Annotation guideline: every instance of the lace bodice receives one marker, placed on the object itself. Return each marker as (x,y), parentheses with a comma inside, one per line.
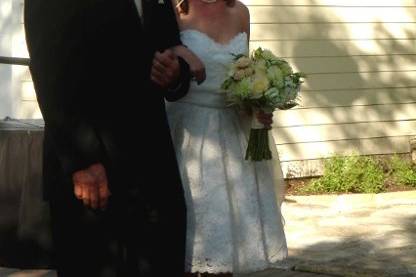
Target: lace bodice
(214,55)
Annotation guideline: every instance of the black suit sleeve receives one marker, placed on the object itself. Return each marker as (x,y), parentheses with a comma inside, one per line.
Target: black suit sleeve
(167,35)
(180,89)
(164,22)
(58,68)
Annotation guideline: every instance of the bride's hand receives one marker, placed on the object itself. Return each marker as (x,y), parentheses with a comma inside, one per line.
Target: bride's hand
(197,70)
(196,66)
(265,118)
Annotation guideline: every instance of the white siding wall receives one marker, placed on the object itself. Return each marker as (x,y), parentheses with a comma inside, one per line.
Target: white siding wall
(6,23)
(17,97)
(360,94)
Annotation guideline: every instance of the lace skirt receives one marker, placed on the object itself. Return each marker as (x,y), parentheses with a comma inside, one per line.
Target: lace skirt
(234,222)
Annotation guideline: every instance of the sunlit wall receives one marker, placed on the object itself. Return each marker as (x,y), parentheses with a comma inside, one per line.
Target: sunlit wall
(360,57)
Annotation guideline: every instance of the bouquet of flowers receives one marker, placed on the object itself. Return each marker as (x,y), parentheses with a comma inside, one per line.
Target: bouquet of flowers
(261,82)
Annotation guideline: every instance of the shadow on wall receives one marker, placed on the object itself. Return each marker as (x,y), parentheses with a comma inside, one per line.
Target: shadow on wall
(360,86)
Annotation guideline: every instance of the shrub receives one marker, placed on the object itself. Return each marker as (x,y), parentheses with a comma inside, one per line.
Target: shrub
(343,174)
(402,171)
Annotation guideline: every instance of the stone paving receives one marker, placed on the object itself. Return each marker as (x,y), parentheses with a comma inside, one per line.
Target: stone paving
(363,235)
(353,235)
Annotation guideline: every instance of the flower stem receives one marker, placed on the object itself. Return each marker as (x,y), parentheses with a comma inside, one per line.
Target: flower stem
(258,147)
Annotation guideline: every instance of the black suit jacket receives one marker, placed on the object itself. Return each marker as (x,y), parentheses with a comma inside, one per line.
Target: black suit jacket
(90,64)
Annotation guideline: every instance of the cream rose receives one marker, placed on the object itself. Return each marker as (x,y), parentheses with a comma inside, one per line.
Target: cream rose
(260,83)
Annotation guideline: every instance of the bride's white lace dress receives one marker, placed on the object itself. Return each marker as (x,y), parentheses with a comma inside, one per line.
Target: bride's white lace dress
(234,219)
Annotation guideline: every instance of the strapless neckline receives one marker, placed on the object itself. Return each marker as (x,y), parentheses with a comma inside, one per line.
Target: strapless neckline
(216,57)
(239,34)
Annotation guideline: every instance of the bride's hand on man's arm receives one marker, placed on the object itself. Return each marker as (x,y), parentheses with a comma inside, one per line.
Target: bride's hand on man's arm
(196,66)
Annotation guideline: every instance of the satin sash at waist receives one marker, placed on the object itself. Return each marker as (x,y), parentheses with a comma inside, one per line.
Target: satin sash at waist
(206,99)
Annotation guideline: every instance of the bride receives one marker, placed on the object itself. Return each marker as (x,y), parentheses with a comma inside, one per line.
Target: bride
(234,223)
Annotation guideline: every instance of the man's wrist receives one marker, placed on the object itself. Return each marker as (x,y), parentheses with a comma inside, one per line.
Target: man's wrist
(176,86)
(181,86)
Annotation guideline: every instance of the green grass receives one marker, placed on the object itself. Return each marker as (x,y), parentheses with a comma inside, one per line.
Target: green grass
(361,174)
(403,172)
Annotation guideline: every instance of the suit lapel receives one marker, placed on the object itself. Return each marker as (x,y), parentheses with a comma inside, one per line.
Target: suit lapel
(147,13)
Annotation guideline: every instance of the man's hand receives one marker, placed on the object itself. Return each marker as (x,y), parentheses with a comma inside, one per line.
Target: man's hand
(91,186)
(265,118)
(165,69)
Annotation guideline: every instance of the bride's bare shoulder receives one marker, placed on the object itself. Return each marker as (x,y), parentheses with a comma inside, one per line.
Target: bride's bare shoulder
(241,9)
(243,14)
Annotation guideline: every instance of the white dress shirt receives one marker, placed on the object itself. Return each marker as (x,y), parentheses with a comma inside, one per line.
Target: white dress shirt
(139,8)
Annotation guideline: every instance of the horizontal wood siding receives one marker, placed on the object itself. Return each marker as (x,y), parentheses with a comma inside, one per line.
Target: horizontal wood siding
(360,58)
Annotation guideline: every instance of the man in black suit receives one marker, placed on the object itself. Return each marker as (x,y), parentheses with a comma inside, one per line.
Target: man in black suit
(101,72)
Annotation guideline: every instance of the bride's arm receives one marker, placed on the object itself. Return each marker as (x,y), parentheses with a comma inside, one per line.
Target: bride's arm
(197,67)
(265,118)
(244,15)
